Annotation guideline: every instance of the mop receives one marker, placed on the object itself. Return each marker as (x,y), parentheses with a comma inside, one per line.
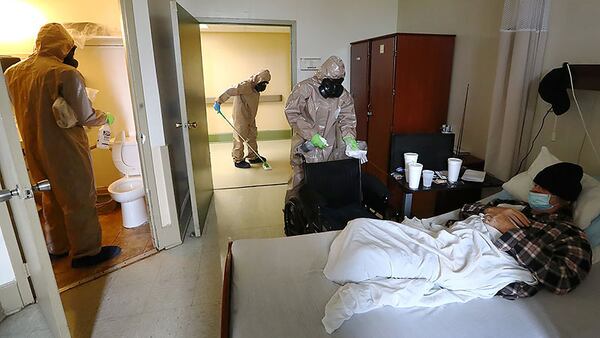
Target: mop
(265,164)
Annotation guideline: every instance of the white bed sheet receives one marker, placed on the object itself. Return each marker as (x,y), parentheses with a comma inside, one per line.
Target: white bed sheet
(279,290)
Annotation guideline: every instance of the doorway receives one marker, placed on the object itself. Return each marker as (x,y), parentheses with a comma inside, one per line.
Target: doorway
(232,53)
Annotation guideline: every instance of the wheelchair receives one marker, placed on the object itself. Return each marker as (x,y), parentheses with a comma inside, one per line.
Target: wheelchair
(332,194)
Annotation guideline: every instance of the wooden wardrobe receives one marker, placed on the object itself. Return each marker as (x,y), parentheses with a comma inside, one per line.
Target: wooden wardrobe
(400,84)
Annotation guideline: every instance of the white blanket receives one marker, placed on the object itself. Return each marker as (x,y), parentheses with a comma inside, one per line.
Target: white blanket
(412,264)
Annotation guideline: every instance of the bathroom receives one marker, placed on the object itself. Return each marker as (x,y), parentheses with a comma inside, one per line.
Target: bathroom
(121,205)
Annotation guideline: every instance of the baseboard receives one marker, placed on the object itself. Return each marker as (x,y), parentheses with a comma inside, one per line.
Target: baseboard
(10,298)
(263,135)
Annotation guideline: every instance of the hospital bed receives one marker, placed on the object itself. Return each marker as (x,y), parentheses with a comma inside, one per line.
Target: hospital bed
(276,288)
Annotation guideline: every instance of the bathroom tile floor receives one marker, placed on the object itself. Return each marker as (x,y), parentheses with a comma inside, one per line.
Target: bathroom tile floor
(135,243)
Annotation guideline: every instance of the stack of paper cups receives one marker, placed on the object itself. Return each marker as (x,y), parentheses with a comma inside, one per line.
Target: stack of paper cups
(414,175)
(408,159)
(454,165)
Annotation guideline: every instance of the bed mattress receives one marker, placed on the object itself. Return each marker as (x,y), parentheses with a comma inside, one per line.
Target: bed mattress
(278,290)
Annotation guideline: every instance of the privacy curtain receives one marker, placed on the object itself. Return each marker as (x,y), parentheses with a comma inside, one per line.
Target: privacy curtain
(523,37)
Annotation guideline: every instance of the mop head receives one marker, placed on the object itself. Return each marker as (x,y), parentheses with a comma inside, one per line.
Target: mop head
(266,166)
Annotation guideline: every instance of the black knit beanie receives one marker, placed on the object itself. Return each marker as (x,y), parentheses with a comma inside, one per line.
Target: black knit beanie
(561,179)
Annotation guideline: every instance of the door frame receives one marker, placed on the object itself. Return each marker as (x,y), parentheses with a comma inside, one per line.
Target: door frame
(155,163)
(264,22)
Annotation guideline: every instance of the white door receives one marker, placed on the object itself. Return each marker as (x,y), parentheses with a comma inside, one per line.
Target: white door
(27,225)
(190,78)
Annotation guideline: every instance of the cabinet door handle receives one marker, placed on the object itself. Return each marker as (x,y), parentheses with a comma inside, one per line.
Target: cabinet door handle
(369,113)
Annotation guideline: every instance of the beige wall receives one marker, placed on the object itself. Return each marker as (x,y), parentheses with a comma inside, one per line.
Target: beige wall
(104,68)
(476,24)
(229,58)
(28,15)
(573,37)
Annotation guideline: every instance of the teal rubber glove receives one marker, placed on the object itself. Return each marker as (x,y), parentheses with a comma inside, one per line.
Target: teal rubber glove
(110,119)
(350,141)
(217,107)
(318,141)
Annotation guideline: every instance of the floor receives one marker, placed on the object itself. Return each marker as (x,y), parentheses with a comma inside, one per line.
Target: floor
(135,242)
(225,175)
(176,293)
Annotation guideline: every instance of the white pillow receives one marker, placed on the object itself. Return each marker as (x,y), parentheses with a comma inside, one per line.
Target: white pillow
(587,206)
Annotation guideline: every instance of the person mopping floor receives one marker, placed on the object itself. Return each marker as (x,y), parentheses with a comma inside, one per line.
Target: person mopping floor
(245,106)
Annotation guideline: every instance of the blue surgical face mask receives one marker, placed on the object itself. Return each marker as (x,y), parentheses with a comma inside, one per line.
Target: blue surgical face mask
(540,202)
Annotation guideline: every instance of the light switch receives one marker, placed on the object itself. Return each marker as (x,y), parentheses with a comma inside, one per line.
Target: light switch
(381,49)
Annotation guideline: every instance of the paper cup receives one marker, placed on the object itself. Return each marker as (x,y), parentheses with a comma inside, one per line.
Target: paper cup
(414,175)
(408,159)
(427,178)
(454,165)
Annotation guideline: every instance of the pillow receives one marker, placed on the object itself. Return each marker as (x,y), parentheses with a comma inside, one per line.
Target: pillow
(587,206)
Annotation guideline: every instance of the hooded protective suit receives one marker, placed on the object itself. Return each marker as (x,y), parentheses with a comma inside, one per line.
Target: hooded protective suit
(245,106)
(60,155)
(309,113)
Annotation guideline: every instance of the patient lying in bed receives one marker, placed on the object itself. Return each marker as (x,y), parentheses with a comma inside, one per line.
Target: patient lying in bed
(505,248)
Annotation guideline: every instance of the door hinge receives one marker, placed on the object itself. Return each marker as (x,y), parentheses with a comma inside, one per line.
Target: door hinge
(393,92)
(26,269)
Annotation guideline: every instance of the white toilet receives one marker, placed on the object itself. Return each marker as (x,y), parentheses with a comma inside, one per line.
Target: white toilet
(129,190)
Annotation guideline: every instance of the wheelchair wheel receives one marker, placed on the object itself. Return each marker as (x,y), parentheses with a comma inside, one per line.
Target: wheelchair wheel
(295,224)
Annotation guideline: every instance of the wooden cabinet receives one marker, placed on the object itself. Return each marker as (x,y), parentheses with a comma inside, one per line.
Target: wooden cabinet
(400,84)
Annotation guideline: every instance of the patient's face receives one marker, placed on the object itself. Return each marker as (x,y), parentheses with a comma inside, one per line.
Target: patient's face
(554,200)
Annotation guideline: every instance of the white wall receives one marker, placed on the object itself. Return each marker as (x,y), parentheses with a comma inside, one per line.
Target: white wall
(573,37)
(476,24)
(324,28)
(6,272)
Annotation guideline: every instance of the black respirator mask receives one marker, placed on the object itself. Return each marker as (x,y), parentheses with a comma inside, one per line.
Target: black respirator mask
(331,88)
(261,86)
(70,58)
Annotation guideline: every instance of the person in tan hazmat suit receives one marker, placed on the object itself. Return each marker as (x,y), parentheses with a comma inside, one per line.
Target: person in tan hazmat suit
(321,114)
(52,107)
(245,106)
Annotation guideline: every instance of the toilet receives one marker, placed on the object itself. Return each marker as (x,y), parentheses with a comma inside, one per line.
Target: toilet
(129,190)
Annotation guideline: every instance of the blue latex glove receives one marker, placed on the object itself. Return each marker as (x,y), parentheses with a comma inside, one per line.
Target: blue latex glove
(351,141)
(217,107)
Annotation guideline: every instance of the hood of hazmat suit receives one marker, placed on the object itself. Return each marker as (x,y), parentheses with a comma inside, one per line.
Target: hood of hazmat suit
(60,155)
(245,106)
(309,113)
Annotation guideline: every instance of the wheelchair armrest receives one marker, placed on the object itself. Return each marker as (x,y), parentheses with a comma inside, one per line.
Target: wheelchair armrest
(375,194)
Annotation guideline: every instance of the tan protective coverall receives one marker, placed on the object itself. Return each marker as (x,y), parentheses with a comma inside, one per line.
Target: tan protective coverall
(245,106)
(309,113)
(60,155)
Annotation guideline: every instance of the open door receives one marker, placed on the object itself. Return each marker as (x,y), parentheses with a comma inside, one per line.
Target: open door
(159,54)
(26,222)
(188,57)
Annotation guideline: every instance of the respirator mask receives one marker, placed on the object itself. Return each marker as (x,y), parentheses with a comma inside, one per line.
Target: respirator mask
(70,58)
(260,87)
(331,88)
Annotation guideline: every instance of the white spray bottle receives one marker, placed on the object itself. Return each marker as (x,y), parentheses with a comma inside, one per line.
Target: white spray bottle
(104,133)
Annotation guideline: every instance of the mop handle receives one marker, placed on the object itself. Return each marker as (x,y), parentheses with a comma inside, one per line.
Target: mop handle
(240,136)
